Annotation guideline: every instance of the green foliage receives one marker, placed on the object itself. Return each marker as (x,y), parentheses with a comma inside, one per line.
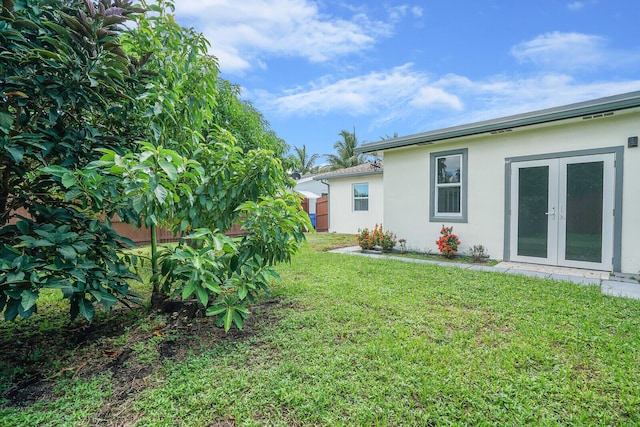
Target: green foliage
(83,264)
(226,275)
(302,162)
(66,87)
(479,253)
(385,240)
(186,103)
(179,101)
(244,122)
(448,242)
(236,175)
(346,155)
(409,344)
(75,114)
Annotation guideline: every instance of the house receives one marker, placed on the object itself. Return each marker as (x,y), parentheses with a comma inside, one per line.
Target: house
(558,186)
(311,190)
(355,197)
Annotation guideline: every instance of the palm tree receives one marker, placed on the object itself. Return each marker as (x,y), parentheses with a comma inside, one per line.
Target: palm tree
(346,152)
(303,163)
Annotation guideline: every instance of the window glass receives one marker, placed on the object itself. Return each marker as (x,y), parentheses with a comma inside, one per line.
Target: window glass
(448,191)
(449,169)
(361,197)
(449,200)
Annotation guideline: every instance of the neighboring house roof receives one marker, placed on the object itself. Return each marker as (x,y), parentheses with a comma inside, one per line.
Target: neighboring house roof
(587,110)
(308,194)
(306,178)
(363,169)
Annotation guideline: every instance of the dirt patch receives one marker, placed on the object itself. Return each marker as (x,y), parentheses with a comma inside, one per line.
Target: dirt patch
(129,345)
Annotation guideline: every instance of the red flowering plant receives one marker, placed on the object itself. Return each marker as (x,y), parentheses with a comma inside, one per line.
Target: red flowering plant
(365,238)
(448,242)
(385,240)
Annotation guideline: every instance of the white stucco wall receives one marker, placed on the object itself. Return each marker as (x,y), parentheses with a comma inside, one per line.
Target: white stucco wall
(407,182)
(342,217)
(309,184)
(316,187)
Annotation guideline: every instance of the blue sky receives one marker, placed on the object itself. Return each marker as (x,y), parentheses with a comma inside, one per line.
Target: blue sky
(314,68)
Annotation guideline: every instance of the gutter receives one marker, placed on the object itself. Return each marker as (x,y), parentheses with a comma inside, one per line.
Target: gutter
(323,178)
(600,107)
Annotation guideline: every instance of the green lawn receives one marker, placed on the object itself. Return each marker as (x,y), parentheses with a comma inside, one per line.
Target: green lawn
(360,341)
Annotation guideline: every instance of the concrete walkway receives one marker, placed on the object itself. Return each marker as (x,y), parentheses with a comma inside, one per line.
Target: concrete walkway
(611,285)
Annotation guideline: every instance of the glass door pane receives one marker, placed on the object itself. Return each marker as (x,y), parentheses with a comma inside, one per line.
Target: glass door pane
(584,207)
(533,202)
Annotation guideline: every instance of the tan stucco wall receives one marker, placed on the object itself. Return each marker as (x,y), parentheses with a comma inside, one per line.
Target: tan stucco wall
(342,217)
(407,181)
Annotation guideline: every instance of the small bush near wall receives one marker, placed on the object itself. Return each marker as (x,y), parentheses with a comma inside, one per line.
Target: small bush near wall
(448,242)
(479,253)
(376,238)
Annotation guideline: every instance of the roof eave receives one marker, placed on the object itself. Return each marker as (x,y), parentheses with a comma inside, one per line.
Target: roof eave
(347,175)
(603,105)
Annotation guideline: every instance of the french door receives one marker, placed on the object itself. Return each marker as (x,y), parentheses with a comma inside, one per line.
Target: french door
(562,211)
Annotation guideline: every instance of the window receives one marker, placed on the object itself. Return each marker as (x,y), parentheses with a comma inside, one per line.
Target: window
(449,186)
(361,197)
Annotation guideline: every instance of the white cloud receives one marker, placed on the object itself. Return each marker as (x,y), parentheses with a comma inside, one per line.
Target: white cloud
(568,51)
(243,33)
(417,11)
(396,13)
(573,52)
(379,93)
(576,5)
(435,97)
(405,95)
(504,95)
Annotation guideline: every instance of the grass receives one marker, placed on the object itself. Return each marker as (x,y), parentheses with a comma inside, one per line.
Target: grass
(465,259)
(359,341)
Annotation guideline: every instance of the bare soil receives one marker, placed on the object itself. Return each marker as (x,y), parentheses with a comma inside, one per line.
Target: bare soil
(32,360)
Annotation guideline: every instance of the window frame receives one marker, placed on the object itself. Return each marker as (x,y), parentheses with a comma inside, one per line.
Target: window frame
(434,214)
(354,198)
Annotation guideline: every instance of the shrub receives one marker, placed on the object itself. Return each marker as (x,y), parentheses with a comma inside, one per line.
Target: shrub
(386,240)
(448,242)
(479,253)
(365,238)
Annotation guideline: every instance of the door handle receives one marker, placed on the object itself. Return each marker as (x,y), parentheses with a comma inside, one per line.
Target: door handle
(552,213)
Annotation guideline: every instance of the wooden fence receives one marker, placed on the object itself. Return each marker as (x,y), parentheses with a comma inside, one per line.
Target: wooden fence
(322,213)
(141,236)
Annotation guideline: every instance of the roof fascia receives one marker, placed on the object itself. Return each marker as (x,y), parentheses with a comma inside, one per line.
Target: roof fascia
(347,175)
(603,105)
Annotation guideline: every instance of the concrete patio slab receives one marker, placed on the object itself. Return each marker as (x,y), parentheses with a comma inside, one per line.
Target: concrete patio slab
(621,289)
(563,271)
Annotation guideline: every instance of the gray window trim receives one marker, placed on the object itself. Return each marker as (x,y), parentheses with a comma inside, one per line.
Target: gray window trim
(353,197)
(463,191)
(617,217)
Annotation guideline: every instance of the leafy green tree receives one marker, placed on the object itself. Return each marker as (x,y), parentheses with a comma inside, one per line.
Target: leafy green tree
(302,162)
(65,93)
(88,132)
(346,155)
(235,150)
(244,122)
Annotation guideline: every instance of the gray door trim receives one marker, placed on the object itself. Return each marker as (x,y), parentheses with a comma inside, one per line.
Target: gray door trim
(617,217)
